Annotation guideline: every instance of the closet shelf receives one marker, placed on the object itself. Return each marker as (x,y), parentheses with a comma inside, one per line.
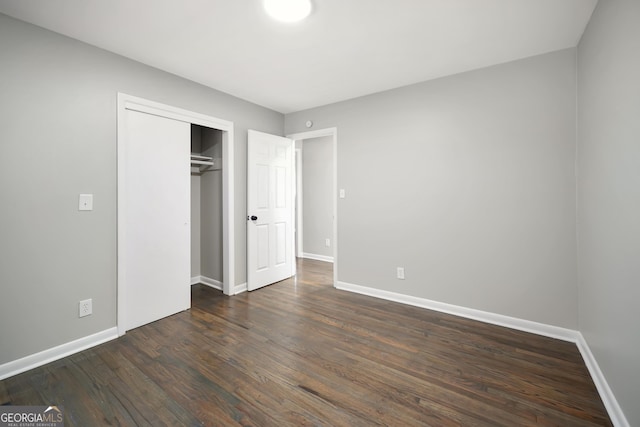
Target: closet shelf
(204,163)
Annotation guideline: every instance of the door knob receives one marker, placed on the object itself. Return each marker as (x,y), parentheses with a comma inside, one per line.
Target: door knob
(252,217)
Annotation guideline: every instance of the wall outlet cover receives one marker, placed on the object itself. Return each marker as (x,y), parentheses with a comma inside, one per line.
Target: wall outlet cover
(85,308)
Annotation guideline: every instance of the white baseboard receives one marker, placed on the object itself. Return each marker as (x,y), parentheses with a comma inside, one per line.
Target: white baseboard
(606,394)
(317,257)
(212,283)
(204,280)
(238,289)
(42,358)
(564,334)
(470,313)
(216,284)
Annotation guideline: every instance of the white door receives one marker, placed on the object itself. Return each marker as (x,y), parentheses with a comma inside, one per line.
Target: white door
(156,218)
(270,180)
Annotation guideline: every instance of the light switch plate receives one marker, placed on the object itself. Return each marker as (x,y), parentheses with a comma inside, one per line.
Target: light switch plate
(85,202)
(342,193)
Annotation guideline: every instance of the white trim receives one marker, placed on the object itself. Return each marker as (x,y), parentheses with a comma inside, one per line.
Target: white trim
(469,313)
(606,394)
(142,105)
(333,132)
(238,289)
(299,204)
(26,363)
(317,257)
(129,102)
(212,283)
(207,281)
(569,335)
(228,212)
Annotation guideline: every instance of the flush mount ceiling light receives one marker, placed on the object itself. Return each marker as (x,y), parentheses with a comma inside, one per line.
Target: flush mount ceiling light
(288,10)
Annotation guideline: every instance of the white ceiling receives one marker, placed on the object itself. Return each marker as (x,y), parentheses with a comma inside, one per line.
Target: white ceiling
(345,49)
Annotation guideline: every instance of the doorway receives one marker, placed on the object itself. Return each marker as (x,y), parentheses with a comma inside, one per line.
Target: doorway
(206,207)
(318,239)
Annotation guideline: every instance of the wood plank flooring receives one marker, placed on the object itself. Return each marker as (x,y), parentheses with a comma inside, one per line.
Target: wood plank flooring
(300,352)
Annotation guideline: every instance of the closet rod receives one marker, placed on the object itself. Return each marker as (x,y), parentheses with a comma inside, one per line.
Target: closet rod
(202,162)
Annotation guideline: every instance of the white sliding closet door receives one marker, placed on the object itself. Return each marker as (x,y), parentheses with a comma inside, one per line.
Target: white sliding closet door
(157,215)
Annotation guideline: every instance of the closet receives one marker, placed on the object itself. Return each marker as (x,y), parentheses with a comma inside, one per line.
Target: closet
(206,206)
(174,207)
(170,215)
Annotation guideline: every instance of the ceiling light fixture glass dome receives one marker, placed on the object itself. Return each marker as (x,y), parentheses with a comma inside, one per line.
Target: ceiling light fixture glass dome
(288,10)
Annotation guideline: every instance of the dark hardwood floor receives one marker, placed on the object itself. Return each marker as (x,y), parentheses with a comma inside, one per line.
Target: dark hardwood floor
(300,352)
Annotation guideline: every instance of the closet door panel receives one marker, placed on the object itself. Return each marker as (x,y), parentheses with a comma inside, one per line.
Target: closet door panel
(157,205)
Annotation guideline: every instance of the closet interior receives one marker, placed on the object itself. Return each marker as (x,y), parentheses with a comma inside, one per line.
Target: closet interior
(206,206)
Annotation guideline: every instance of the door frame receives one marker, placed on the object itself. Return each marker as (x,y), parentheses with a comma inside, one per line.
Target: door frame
(299,203)
(128,102)
(332,132)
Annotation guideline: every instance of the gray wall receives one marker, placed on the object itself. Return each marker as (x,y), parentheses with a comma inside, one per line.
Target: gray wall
(467,182)
(58,139)
(317,183)
(211,209)
(196,147)
(196,268)
(609,195)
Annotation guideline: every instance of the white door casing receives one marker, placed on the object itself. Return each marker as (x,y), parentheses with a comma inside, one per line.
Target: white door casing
(333,133)
(299,238)
(157,200)
(270,210)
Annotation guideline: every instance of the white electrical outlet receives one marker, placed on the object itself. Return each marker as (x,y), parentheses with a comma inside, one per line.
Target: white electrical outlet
(400,273)
(327,242)
(85,308)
